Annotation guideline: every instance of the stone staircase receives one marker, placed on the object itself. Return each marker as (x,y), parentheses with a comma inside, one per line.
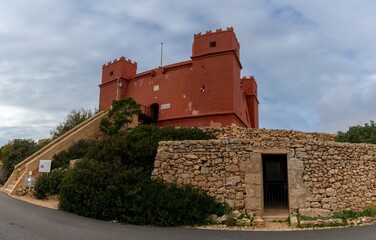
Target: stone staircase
(8,189)
(89,129)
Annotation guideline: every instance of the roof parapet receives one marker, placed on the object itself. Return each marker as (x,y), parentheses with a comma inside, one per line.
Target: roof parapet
(122,58)
(218,30)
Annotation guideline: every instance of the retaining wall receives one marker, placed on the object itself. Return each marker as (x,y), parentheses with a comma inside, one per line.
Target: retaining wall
(324,177)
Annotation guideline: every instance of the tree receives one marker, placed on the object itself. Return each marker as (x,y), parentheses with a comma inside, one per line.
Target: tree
(74,117)
(120,116)
(15,152)
(359,134)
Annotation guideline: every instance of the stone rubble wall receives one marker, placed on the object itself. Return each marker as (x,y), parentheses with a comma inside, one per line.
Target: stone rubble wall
(333,177)
(234,132)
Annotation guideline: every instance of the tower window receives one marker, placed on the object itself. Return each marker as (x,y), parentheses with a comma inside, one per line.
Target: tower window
(213,44)
(111,73)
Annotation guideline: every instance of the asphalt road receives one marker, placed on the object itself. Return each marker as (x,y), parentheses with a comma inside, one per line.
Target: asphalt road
(21,220)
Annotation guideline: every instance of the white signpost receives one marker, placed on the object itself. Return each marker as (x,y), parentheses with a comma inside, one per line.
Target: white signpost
(45,166)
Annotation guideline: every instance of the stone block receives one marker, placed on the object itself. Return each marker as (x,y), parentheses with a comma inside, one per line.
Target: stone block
(294,221)
(259,223)
(204,170)
(315,212)
(232,181)
(232,168)
(330,192)
(315,205)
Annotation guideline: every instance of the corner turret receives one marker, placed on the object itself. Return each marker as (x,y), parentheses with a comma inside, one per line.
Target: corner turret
(213,42)
(115,76)
(118,68)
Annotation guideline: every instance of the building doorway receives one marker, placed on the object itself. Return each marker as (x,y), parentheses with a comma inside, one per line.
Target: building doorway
(275,181)
(154,111)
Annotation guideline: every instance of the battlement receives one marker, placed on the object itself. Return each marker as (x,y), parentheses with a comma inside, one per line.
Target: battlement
(219,30)
(122,58)
(250,78)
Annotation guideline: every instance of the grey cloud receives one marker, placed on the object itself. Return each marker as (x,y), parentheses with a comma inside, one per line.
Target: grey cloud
(313,61)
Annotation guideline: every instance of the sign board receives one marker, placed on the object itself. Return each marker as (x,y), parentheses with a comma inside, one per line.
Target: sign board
(45,166)
(166,106)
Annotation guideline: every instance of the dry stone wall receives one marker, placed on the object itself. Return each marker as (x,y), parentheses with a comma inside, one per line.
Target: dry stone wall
(324,177)
(235,132)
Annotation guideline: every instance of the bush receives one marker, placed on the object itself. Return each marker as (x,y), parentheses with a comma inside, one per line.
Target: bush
(138,147)
(359,134)
(74,117)
(370,211)
(142,142)
(110,149)
(103,191)
(48,184)
(15,152)
(77,150)
(120,115)
(113,182)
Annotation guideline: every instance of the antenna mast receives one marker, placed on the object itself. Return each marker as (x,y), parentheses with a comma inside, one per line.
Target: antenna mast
(161,54)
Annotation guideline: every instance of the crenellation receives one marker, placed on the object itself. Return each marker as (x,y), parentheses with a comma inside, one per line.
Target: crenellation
(122,58)
(218,30)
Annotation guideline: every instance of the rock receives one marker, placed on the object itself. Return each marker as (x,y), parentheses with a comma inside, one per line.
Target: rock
(294,221)
(259,222)
(321,222)
(204,170)
(21,191)
(232,168)
(236,214)
(222,219)
(232,181)
(315,205)
(315,212)
(330,192)
(191,156)
(73,163)
(214,217)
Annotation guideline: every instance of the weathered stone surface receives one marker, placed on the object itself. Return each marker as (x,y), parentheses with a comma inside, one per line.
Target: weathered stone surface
(294,221)
(232,181)
(323,175)
(320,222)
(330,192)
(315,212)
(259,222)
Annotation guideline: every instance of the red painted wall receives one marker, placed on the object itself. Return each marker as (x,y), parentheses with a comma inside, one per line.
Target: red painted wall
(204,91)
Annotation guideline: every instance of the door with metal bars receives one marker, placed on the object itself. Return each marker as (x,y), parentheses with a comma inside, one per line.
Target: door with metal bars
(275,181)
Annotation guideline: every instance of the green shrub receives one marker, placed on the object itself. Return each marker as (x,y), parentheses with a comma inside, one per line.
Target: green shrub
(138,147)
(77,150)
(73,118)
(16,151)
(142,142)
(113,182)
(120,115)
(359,134)
(105,191)
(48,184)
(110,149)
(370,211)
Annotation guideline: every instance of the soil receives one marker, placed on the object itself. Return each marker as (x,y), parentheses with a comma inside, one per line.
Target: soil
(51,202)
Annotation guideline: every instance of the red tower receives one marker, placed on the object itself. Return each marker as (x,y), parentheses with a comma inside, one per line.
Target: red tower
(204,91)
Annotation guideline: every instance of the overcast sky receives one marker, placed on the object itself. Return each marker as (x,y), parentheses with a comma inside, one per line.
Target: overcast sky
(314,61)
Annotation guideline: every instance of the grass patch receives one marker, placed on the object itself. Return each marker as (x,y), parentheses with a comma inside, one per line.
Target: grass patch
(345,216)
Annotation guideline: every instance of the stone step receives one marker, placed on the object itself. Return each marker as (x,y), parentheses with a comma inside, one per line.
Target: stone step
(9,187)
(274,215)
